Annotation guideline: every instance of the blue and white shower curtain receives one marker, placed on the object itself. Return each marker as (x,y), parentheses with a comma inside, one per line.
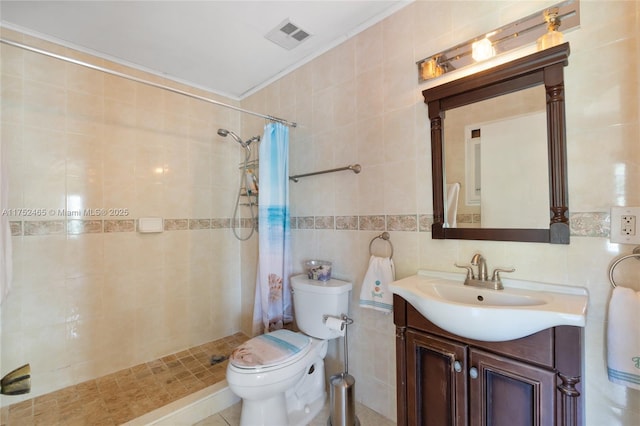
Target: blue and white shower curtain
(273,306)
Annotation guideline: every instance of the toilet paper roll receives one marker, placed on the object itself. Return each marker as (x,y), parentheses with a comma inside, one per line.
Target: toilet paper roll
(336,324)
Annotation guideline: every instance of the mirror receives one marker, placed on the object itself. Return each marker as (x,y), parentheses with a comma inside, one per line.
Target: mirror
(488,160)
(494,177)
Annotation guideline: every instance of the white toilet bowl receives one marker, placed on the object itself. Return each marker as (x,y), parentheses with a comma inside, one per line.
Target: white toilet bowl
(289,393)
(280,375)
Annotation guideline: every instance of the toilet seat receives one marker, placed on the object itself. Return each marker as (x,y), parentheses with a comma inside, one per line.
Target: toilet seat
(270,351)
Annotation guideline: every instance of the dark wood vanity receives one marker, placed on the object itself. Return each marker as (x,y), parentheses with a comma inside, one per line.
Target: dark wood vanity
(444,379)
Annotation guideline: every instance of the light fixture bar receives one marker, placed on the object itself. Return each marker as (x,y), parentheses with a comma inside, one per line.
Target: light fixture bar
(509,37)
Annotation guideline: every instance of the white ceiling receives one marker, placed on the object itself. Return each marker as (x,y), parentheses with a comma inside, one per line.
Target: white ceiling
(215,45)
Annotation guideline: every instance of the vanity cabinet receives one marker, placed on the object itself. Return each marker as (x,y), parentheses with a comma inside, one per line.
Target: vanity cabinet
(443,379)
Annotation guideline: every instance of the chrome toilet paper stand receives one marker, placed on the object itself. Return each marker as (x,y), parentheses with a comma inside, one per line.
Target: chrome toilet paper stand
(342,396)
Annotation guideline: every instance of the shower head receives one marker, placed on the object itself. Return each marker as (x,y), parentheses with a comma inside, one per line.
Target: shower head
(225,132)
(253,139)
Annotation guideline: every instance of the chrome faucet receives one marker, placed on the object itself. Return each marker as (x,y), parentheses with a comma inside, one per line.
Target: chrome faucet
(478,260)
(483,280)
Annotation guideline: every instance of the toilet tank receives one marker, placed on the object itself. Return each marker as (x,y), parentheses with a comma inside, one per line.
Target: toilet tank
(312,299)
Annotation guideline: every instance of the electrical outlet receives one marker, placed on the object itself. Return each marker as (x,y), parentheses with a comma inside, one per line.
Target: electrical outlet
(628,224)
(623,225)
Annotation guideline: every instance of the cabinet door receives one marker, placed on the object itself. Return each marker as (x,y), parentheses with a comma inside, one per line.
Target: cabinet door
(436,381)
(505,392)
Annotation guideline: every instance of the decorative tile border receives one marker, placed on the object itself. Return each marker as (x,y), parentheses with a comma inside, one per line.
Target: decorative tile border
(306,222)
(402,223)
(119,225)
(221,223)
(44,227)
(77,226)
(16,228)
(176,224)
(347,223)
(372,223)
(324,222)
(425,221)
(583,224)
(199,224)
(590,224)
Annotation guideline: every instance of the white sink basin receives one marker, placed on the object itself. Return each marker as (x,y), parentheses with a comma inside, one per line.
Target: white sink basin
(521,309)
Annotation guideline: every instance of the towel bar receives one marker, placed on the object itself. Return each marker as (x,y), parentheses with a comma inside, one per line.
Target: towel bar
(384,236)
(636,254)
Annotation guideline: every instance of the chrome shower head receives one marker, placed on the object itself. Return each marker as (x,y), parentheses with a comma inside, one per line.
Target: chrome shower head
(253,139)
(225,132)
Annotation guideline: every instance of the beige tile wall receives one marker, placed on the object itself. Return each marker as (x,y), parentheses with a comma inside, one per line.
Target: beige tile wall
(90,294)
(361,102)
(84,303)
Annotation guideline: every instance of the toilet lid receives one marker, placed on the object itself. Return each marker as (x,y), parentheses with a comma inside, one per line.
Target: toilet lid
(270,349)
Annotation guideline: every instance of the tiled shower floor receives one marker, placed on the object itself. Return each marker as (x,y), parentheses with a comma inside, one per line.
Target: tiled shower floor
(127,394)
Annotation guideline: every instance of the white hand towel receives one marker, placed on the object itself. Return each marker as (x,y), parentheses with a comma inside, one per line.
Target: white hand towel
(623,337)
(375,292)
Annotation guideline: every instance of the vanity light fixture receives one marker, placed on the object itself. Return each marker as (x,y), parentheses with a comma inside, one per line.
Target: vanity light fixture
(509,42)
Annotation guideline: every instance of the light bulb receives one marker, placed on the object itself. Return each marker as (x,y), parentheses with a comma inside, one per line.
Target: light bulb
(482,49)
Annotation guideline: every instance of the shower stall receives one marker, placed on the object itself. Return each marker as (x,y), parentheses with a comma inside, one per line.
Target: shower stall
(92,152)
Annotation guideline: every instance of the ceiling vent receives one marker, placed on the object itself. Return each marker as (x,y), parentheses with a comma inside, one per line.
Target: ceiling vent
(287,35)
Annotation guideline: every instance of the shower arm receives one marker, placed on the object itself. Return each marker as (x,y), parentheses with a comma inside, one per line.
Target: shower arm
(355,168)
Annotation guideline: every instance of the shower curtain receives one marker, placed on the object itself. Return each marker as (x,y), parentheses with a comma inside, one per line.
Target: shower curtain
(273,307)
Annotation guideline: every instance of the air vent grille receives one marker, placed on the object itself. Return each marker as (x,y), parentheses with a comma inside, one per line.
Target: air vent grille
(287,35)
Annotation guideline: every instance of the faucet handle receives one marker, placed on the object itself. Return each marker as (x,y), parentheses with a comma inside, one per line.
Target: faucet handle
(496,273)
(470,275)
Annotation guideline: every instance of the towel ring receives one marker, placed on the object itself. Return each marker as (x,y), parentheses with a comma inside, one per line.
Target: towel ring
(636,254)
(386,237)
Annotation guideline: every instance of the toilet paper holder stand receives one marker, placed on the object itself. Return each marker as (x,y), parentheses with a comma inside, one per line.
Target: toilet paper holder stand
(343,318)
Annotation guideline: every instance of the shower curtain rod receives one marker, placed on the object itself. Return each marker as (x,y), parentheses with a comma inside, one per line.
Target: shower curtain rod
(149,83)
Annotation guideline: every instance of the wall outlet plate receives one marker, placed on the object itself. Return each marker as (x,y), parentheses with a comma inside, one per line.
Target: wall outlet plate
(624,225)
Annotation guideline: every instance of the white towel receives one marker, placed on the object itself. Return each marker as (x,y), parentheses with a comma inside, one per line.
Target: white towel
(623,337)
(453,189)
(375,292)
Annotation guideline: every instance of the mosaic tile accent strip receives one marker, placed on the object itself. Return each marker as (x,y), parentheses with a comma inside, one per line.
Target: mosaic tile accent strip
(120,225)
(176,224)
(584,224)
(372,223)
(199,224)
(306,222)
(348,223)
(324,222)
(425,221)
(590,224)
(76,226)
(220,223)
(44,227)
(16,228)
(402,223)
(249,223)
(465,218)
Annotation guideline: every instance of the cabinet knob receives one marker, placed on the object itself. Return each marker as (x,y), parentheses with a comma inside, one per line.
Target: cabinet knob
(473,373)
(457,366)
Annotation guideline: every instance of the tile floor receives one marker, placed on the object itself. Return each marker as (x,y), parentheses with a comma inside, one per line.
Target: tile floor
(231,417)
(124,395)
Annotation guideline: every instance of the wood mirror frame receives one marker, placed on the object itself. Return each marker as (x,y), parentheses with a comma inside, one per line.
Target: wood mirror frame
(544,67)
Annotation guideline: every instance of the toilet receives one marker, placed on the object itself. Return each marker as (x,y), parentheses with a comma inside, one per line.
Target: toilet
(280,375)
